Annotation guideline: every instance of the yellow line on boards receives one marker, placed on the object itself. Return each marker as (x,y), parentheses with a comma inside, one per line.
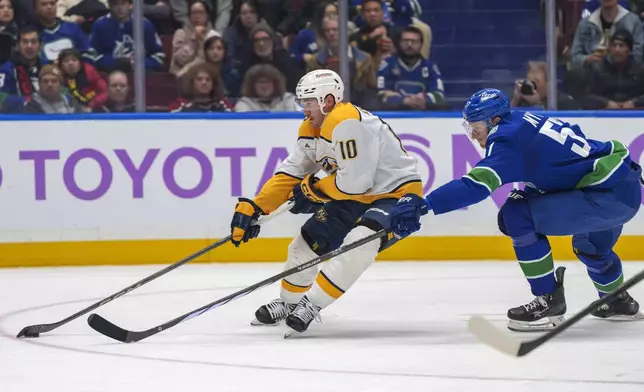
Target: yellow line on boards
(133,252)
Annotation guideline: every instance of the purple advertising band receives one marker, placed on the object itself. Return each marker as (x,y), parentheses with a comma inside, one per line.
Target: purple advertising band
(464,156)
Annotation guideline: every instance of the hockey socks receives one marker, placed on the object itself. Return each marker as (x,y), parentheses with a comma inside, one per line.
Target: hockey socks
(604,271)
(538,266)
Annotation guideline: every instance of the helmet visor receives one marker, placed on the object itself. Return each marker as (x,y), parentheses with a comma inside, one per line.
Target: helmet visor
(474,128)
(308,103)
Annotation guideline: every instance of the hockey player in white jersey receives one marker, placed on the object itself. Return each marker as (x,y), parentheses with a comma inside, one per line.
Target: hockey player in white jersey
(367,171)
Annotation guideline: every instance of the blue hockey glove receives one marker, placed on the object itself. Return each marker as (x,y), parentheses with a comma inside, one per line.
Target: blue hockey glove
(306,200)
(405,217)
(241,227)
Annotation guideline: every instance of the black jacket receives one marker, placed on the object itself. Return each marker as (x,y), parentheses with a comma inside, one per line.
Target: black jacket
(608,82)
(279,14)
(8,39)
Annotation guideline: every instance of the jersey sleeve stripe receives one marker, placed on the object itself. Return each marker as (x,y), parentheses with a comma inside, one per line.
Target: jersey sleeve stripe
(290,175)
(485,175)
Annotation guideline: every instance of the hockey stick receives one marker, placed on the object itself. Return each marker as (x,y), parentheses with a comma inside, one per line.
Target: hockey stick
(115,332)
(33,331)
(492,336)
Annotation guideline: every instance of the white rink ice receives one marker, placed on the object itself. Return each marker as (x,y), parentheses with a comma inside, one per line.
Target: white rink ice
(402,327)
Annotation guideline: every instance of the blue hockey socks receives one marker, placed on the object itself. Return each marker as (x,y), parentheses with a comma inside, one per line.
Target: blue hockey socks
(605,271)
(538,265)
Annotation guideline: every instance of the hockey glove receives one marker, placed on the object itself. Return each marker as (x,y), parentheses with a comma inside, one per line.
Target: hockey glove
(307,199)
(242,228)
(405,217)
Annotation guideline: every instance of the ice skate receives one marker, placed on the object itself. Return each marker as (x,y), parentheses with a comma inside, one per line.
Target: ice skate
(272,313)
(623,308)
(302,316)
(543,313)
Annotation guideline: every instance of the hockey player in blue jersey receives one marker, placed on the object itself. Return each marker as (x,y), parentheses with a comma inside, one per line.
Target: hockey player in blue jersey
(574,186)
(407,80)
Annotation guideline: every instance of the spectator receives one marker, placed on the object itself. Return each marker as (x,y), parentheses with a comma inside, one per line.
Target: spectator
(361,66)
(57,34)
(617,82)
(592,5)
(265,53)
(310,39)
(375,37)
(592,37)
(637,7)
(19,76)
(82,80)
(408,81)
(188,42)
(81,12)
(401,13)
(532,92)
(50,98)
(202,91)
(160,15)
(118,95)
(219,12)
(280,15)
(112,36)
(264,90)
(237,36)
(215,53)
(8,30)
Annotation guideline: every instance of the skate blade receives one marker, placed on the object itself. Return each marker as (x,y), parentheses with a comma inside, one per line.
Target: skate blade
(257,323)
(545,324)
(293,334)
(623,317)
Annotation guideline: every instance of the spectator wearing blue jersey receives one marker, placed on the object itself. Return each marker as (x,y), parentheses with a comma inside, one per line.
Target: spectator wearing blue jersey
(407,80)
(113,38)
(310,39)
(57,35)
(19,76)
(593,34)
(8,30)
(617,82)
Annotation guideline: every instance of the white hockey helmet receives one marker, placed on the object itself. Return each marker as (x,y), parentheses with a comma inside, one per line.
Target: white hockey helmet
(318,84)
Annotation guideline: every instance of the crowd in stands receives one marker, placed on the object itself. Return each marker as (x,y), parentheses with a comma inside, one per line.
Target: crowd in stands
(601,45)
(70,56)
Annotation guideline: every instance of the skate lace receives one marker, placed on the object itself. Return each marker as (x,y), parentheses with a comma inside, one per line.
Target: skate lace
(307,311)
(539,301)
(277,309)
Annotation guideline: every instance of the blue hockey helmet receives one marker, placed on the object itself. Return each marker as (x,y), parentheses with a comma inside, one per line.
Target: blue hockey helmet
(486,104)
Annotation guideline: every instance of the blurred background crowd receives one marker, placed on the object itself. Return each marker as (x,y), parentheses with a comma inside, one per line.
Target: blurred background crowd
(73,56)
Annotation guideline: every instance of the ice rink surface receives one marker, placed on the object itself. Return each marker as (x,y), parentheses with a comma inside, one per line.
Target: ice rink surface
(402,327)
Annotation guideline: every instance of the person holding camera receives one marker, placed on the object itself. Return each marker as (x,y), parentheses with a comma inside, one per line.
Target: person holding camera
(532,92)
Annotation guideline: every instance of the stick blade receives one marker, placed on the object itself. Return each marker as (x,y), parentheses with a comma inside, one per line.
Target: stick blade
(105,327)
(32,331)
(493,337)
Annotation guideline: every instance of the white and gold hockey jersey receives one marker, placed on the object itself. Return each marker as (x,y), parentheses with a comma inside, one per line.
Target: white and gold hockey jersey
(364,159)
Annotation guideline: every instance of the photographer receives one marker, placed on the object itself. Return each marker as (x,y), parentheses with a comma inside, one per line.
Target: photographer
(532,91)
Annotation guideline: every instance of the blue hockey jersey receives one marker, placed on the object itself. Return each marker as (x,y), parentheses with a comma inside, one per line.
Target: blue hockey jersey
(396,76)
(113,39)
(65,35)
(545,153)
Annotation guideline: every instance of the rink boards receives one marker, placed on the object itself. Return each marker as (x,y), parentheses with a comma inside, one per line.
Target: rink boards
(153,189)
